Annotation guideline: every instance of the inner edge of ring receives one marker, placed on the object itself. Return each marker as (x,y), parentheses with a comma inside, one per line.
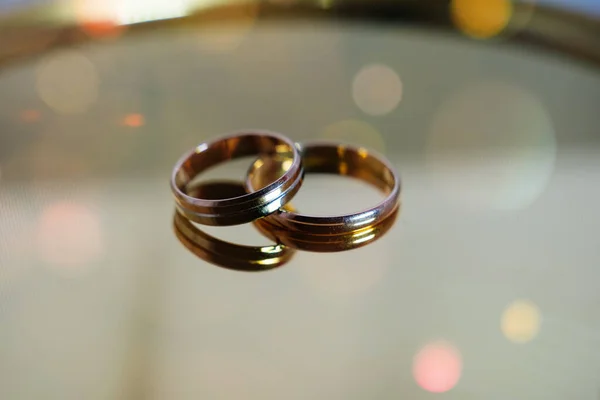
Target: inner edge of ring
(252,213)
(191,203)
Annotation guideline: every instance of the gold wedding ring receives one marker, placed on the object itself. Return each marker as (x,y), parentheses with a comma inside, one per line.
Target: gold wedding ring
(272,180)
(249,206)
(338,232)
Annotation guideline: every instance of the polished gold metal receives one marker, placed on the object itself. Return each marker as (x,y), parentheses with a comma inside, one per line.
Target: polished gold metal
(246,207)
(327,243)
(219,252)
(347,231)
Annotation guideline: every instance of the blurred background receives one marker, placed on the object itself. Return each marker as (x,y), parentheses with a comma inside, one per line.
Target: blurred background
(486,287)
(582,6)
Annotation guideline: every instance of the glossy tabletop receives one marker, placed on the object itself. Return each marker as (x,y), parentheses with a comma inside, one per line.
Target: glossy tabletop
(485,288)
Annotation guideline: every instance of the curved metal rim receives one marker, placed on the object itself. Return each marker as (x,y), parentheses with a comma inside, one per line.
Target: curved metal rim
(550,30)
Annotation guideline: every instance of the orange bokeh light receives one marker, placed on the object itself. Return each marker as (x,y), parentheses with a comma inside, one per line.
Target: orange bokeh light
(134,120)
(481,18)
(69,235)
(98,18)
(102,29)
(30,115)
(437,367)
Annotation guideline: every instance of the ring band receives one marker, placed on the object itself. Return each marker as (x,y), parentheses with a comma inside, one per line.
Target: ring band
(248,206)
(222,253)
(327,243)
(321,157)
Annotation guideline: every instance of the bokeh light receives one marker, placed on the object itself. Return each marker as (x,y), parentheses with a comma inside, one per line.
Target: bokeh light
(521,321)
(107,17)
(377,89)
(69,236)
(492,146)
(102,29)
(134,120)
(98,18)
(481,18)
(136,11)
(67,82)
(96,11)
(355,132)
(437,367)
(30,115)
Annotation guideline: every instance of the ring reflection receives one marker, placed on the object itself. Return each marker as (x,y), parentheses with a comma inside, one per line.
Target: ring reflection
(327,243)
(219,252)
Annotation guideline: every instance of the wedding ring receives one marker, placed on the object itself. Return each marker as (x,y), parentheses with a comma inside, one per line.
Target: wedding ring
(222,253)
(246,207)
(293,229)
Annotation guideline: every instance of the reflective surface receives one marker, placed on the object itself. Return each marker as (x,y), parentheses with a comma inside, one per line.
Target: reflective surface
(487,287)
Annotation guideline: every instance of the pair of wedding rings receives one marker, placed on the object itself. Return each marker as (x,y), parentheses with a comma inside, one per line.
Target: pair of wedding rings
(271,182)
